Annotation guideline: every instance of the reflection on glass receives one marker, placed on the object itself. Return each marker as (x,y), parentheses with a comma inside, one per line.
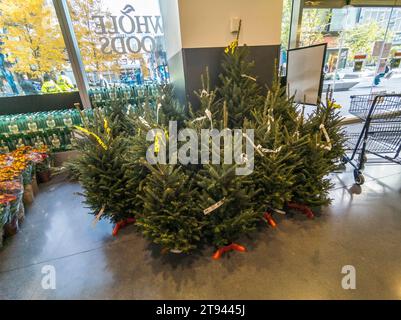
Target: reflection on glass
(33,58)
(121,42)
(364,48)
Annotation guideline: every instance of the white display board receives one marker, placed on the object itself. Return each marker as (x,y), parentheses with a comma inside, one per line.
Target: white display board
(305,73)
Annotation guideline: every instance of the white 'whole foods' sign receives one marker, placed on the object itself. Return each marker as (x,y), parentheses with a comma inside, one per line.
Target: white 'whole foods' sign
(128,32)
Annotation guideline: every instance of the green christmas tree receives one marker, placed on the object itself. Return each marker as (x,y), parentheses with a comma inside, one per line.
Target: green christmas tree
(235,217)
(238,87)
(219,185)
(118,115)
(180,206)
(169,107)
(170,216)
(319,156)
(101,170)
(277,140)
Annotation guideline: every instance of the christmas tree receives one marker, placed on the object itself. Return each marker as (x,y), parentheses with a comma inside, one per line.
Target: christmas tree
(319,156)
(101,170)
(277,142)
(234,195)
(169,109)
(170,217)
(180,206)
(226,198)
(238,88)
(118,115)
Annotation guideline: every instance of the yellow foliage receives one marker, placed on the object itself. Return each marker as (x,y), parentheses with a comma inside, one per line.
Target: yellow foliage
(88,41)
(33,38)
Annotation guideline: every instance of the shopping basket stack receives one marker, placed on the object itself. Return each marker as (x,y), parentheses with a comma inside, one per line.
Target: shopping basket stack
(379,134)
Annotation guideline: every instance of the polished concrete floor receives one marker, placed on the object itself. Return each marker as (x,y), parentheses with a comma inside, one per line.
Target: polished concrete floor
(301,259)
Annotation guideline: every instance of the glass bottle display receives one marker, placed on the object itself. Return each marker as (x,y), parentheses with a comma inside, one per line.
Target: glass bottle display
(55,141)
(13,127)
(67,120)
(39,144)
(50,122)
(20,143)
(32,126)
(4,147)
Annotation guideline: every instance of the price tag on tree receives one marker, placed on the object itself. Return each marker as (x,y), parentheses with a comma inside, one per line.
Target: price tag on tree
(214,207)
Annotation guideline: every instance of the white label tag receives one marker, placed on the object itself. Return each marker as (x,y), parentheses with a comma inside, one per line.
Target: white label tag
(199,119)
(265,150)
(214,207)
(326,135)
(248,77)
(209,115)
(144,122)
(98,216)
(159,105)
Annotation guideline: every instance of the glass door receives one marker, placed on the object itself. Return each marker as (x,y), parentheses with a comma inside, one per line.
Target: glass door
(364,46)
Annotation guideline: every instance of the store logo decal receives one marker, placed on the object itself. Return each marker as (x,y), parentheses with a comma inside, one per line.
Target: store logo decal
(127,33)
(127,9)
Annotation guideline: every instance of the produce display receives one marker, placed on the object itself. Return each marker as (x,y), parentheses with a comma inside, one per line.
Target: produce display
(52,129)
(133,95)
(17,174)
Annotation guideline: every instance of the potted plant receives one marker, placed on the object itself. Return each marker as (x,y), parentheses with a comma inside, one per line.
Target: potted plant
(43,172)
(27,175)
(4,212)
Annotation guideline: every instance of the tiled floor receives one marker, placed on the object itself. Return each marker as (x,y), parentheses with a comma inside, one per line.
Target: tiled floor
(300,259)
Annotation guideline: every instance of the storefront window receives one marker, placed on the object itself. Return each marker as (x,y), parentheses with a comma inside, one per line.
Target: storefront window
(33,58)
(285,34)
(121,42)
(364,47)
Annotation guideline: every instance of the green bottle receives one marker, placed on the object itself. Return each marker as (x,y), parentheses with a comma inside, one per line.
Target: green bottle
(4,147)
(13,127)
(39,143)
(55,142)
(32,126)
(50,122)
(20,143)
(67,121)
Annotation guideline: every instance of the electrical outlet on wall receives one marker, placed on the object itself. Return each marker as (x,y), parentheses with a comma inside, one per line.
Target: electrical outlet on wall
(234,25)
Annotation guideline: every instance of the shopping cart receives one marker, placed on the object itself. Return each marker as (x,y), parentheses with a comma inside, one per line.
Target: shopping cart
(379,134)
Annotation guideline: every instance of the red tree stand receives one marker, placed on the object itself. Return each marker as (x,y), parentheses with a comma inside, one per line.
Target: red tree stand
(269,219)
(122,224)
(302,208)
(231,247)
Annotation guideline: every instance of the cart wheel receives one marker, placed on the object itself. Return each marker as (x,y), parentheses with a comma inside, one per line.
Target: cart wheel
(344,160)
(359,178)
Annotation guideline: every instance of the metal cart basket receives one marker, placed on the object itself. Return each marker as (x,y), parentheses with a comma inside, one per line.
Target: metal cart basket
(379,133)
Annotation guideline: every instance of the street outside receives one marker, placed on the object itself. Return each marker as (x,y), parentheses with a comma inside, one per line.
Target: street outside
(392,85)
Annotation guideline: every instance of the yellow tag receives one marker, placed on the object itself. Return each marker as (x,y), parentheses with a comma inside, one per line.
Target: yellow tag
(89,133)
(336,106)
(157,141)
(107,128)
(232,46)
(157,144)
